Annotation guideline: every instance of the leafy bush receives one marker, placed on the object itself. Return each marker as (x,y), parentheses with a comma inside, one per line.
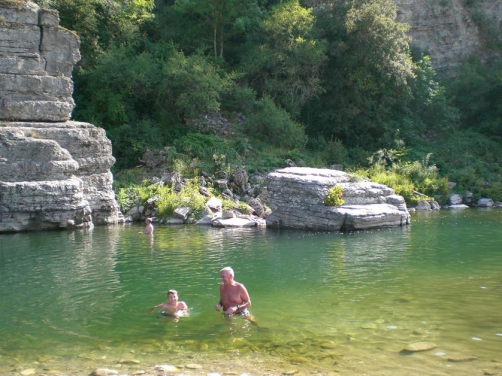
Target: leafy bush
(404,177)
(189,196)
(275,125)
(334,197)
(484,190)
(126,198)
(210,152)
(241,207)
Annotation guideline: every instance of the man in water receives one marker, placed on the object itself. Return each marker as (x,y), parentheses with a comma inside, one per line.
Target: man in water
(148,227)
(234,298)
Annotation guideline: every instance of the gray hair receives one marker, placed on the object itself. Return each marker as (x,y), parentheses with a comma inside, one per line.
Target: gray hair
(228,269)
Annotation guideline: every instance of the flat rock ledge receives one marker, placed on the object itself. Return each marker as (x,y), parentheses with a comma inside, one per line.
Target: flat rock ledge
(296,196)
(55,175)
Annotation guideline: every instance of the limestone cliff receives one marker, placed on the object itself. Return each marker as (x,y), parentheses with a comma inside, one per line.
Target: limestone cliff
(446,29)
(54,173)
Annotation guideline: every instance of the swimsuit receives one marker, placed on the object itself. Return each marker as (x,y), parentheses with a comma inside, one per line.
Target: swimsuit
(244,312)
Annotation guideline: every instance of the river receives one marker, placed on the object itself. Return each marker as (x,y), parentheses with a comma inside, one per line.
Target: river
(325,303)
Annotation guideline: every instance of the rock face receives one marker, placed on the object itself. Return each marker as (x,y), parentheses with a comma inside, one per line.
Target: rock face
(446,30)
(296,197)
(36,61)
(449,31)
(54,173)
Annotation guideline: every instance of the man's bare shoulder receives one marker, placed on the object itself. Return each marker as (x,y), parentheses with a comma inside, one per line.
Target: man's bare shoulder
(240,286)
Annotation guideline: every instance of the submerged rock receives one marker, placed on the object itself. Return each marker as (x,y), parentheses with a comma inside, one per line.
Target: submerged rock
(420,346)
(462,359)
(104,372)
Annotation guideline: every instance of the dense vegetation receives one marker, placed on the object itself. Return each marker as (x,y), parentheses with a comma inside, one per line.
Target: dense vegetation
(337,86)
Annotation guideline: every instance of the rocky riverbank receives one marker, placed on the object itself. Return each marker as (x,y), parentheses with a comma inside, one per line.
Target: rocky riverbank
(419,359)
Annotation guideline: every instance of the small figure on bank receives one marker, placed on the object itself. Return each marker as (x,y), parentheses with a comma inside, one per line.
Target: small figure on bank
(234,298)
(173,307)
(149,227)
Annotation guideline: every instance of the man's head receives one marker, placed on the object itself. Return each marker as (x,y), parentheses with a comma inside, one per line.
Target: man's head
(172,294)
(148,220)
(228,269)
(227,275)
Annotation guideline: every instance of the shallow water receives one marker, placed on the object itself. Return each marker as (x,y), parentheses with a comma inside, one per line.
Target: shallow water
(72,301)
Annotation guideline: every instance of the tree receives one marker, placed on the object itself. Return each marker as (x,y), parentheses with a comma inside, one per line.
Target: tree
(477,91)
(367,73)
(225,18)
(101,24)
(287,65)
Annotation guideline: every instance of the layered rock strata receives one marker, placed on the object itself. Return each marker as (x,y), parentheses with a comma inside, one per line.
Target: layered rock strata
(296,197)
(447,30)
(54,173)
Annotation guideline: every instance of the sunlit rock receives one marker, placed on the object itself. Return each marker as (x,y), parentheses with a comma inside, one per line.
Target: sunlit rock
(54,173)
(296,196)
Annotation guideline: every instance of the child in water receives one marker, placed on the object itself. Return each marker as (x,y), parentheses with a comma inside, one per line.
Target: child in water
(173,307)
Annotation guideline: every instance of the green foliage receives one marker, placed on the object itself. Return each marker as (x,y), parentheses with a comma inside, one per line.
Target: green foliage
(369,69)
(334,196)
(241,207)
(425,178)
(287,65)
(136,194)
(331,152)
(388,167)
(213,152)
(126,197)
(273,123)
(126,178)
(477,91)
(467,156)
(189,196)
(168,199)
(346,72)
(470,3)
(101,24)
(131,140)
(486,190)
(431,113)
(148,96)
(217,22)
(193,84)
(401,184)
(182,166)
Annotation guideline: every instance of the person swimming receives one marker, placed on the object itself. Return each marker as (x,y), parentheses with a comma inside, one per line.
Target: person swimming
(149,227)
(173,307)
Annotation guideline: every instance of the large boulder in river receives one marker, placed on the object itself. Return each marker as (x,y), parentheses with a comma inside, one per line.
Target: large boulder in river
(296,196)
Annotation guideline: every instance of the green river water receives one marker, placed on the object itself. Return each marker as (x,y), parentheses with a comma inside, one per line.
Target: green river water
(325,303)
